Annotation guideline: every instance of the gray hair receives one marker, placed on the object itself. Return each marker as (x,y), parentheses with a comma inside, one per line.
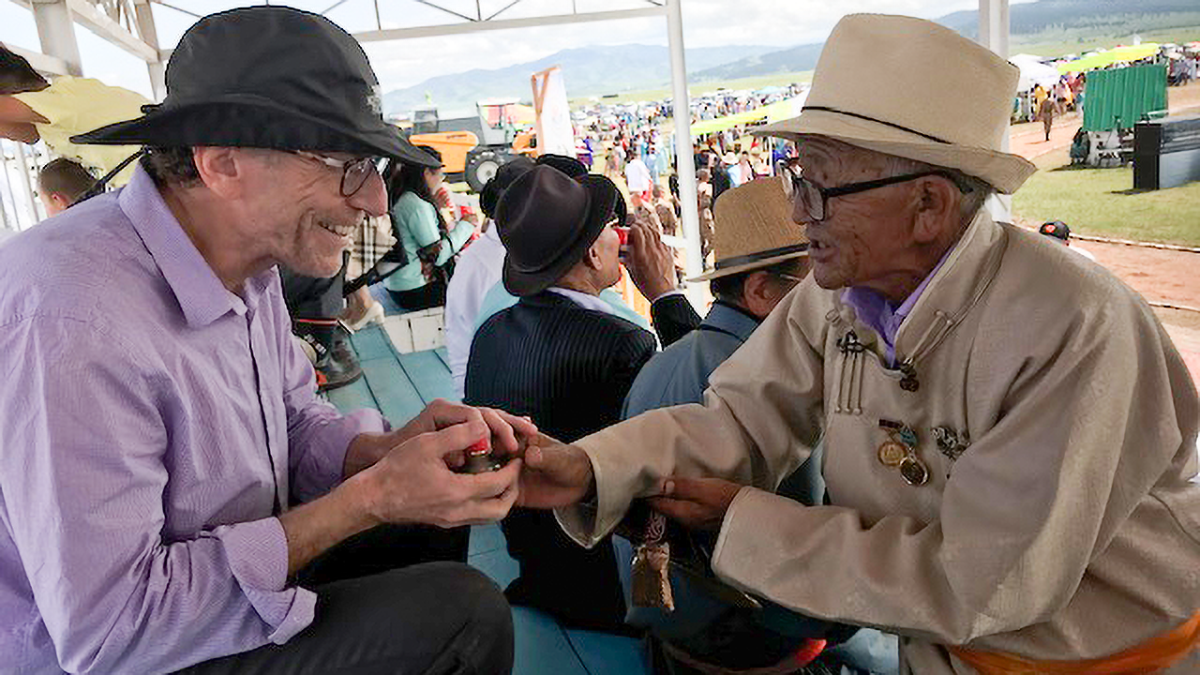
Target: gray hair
(975,191)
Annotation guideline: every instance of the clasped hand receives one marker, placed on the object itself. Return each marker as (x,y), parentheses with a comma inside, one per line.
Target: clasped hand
(557,475)
(414,479)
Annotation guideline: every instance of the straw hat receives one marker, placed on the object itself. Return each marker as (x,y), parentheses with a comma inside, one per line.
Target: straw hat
(911,88)
(753,229)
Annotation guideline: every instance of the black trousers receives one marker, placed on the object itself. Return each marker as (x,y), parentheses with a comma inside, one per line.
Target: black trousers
(429,618)
(432,294)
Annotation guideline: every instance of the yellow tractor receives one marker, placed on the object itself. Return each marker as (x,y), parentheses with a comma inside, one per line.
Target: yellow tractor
(473,148)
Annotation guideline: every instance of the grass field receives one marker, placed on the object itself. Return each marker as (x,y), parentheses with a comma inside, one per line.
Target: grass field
(1101,202)
(1042,44)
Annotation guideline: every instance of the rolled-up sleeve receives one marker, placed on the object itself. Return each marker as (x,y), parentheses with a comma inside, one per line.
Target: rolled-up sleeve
(83,474)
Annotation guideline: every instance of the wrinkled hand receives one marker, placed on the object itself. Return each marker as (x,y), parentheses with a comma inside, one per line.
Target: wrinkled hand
(650,262)
(555,475)
(414,483)
(697,503)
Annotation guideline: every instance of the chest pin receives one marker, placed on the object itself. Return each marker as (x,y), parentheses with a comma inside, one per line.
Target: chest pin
(900,452)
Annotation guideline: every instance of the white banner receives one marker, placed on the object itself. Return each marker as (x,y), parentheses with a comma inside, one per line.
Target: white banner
(554,131)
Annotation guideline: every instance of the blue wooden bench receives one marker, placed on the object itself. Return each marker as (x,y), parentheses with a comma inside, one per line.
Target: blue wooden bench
(399,386)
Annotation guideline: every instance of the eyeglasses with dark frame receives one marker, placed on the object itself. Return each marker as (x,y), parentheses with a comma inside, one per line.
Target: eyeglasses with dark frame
(814,197)
(355,172)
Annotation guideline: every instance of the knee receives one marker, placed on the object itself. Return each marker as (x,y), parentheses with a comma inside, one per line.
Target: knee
(484,617)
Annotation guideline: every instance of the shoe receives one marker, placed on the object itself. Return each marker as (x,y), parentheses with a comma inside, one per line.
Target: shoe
(374,314)
(336,363)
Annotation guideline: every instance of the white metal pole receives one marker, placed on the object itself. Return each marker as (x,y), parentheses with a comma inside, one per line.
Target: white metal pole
(12,196)
(56,32)
(27,181)
(149,34)
(993,34)
(684,163)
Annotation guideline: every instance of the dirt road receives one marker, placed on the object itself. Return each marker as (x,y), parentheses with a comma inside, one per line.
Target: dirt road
(1162,276)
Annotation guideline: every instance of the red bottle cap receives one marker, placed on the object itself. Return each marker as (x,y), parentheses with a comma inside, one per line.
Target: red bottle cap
(622,235)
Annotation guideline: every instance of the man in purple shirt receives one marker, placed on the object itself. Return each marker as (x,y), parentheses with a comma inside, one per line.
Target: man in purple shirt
(166,470)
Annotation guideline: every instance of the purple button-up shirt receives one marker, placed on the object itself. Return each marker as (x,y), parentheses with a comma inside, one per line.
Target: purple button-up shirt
(150,421)
(876,312)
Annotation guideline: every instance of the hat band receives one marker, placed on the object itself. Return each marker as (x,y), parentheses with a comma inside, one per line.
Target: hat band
(872,119)
(755,257)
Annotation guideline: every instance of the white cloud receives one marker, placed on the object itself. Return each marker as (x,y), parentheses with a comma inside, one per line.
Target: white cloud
(707,23)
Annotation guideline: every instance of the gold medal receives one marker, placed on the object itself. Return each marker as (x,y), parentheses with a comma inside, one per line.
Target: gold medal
(913,471)
(892,453)
(900,452)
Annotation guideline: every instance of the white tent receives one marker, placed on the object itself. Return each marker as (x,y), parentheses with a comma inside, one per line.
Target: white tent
(1034,72)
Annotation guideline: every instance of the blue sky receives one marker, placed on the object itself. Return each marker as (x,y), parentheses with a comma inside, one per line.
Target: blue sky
(404,63)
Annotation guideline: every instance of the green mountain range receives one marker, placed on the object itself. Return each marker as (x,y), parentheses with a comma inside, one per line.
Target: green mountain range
(595,71)
(588,71)
(1048,21)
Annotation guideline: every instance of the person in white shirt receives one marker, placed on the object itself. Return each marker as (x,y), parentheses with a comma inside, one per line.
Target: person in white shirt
(637,176)
(478,269)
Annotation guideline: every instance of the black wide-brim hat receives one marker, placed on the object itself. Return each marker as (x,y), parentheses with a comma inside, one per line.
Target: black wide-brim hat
(547,222)
(267,77)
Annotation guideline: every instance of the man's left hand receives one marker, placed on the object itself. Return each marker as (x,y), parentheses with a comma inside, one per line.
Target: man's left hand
(510,434)
(697,503)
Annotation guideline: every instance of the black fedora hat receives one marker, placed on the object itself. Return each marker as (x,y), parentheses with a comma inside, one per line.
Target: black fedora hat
(267,77)
(489,197)
(547,222)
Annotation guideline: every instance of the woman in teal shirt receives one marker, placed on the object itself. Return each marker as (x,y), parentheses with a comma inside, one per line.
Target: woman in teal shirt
(430,241)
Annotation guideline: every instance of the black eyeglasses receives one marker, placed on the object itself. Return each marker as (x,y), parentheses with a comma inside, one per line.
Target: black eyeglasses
(814,197)
(355,172)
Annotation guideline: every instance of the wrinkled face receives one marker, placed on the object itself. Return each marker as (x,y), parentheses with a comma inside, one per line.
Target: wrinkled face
(299,216)
(866,239)
(608,248)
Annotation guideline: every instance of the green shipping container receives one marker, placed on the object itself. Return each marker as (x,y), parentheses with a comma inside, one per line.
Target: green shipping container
(1123,97)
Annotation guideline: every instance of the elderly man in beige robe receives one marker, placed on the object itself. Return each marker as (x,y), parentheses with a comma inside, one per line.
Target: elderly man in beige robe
(1009,433)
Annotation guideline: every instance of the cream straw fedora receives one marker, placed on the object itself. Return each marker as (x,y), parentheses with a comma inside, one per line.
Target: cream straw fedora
(911,88)
(753,229)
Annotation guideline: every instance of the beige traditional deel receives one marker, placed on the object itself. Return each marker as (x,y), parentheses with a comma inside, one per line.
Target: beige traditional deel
(754,229)
(871,89)
(1066,529)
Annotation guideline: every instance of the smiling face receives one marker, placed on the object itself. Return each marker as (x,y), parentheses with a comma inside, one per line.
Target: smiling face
(299,217)
(870,239)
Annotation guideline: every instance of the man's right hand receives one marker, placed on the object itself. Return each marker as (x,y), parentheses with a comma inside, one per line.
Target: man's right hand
(650,262)
(555,475)
(414,483)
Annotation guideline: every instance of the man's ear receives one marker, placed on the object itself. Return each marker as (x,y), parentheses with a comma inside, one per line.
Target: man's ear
(593,259)
(937,208)
(222,170)
(60,201)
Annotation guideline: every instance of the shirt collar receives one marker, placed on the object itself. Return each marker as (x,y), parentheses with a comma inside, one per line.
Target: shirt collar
(584,300)
(731,319)
(201,295)
(877,313)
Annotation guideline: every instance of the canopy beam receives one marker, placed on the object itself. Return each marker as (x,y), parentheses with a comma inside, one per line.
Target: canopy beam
(505,24)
